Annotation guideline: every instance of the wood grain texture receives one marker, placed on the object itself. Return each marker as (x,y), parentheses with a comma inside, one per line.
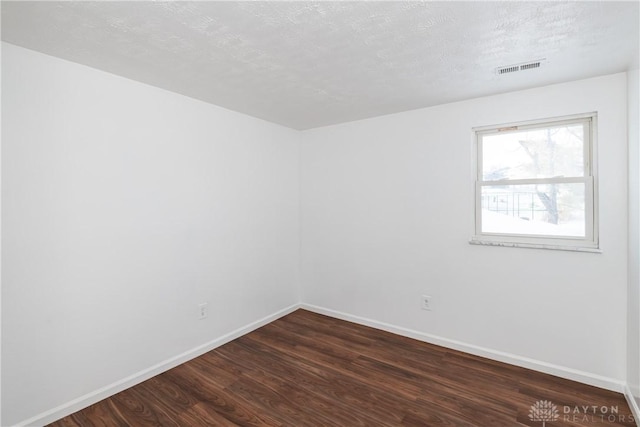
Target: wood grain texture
(306,369)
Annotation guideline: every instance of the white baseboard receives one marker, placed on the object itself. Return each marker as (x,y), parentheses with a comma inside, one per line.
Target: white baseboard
(633,404)
(512,359)
(560,371)
(118,386)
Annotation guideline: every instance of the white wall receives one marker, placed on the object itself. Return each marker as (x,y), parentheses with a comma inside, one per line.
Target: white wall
(386,215)
(1,235)
(124,206)
(633,302)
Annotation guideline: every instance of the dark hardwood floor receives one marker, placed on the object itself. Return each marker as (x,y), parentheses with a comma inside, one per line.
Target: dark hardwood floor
(306,369)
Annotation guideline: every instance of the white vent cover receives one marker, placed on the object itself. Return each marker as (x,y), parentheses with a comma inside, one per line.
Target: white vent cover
(519,67)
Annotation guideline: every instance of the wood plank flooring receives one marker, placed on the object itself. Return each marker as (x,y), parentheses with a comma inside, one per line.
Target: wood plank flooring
(306,369)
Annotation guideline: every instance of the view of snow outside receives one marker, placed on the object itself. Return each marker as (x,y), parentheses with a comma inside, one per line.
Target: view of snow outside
(551,209)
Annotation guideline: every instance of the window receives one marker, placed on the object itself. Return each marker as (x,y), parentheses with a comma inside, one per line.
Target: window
(535,184)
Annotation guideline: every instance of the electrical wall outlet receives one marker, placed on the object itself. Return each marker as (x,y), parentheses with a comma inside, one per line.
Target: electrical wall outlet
(203,311)
(426,302)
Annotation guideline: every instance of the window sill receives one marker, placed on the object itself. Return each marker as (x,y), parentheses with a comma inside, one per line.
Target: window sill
(556,247)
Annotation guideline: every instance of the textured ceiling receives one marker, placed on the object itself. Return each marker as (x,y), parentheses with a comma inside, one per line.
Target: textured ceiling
(310,64)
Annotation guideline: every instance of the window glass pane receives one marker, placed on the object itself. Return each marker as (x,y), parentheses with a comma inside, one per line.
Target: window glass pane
(534,153)
(550,209)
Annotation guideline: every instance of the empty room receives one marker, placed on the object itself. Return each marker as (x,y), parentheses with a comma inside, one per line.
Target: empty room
(320,213)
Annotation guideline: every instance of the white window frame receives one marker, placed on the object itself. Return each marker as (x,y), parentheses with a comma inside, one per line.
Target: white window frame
(589,243)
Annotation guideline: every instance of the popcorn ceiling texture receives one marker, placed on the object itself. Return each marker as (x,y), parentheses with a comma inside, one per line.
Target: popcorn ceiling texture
(311,64)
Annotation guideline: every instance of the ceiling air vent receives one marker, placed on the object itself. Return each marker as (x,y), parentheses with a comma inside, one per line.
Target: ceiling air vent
(519,67)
